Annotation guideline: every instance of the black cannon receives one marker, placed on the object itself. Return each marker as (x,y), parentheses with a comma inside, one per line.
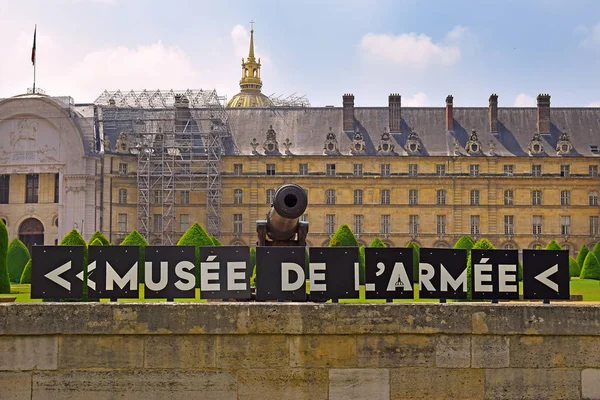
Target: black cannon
(283,226)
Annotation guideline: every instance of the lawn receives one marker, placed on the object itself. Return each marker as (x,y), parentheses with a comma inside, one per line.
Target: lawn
(590,289)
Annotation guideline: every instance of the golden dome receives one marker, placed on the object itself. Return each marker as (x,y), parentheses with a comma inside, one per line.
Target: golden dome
(250,84)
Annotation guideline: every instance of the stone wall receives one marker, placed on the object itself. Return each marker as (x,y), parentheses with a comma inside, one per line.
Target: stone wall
(299,351)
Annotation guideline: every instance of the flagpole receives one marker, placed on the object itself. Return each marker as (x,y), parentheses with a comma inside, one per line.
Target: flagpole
(35,56)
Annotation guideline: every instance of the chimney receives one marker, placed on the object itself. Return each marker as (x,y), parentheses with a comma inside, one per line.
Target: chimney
(395,110)
(494,113)
(543,113)
(449,114)
(348,118)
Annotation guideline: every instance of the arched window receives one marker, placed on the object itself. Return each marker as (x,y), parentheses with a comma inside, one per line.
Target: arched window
(593,195)
(122,196)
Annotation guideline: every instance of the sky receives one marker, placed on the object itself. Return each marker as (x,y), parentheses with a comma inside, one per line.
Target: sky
(424,50)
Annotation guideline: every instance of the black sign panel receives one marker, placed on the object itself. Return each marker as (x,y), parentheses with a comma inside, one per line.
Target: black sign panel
(57,272)
(546,274)
(443,274)
(494,274)
(225,272)
(389,273)
(280,273)
(113,272)
(334,273)
(170,272)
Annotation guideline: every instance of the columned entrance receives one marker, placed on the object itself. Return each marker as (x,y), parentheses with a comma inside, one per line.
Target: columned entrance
(31,233)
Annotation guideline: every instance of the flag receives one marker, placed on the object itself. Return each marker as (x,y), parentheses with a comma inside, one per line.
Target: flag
(33,49)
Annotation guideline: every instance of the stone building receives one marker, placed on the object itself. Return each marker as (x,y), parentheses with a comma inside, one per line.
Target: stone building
(520,177)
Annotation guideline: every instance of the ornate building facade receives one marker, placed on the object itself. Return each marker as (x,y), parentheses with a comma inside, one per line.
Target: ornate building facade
(520,177)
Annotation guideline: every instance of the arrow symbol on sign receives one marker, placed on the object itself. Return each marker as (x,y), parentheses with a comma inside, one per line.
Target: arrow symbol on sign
(91,283)
(543,277)
(54,275)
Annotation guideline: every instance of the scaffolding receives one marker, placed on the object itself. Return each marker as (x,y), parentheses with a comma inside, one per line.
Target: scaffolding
(293,100)
(179,138)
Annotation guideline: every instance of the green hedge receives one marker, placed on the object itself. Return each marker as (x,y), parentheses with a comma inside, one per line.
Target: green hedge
(583,252)
(574,270)
(196,236)
(100,236)
(361,265)
(96,242)
(135,239)
(596,251)
(343,237)
(480,244)
(378,243)
(215,241)
(26,276)
(553,246)
(17,257)
(591,267)
(253,266)
(4,280)
(416,257)
(466,242)
(73,238)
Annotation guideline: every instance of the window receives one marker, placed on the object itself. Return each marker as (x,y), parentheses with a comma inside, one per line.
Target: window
(385,170)
(565,225)
(413,197)
(304,218)
(270,169)
(565,197)
(32,188)
(593,196)
(357,169)
(509,170)
(475,197)
(185,197)
(237,169)
(123,168)
(358,224)
(122,196)
(536,170)
(509,196)
(565,170)
(413,170)
(474,170)
(303,169)
(184,222)
(594,171)
(237,196)
(56,188)
(330,170)
(441,197)
(330,196)
(157,197)
(475,225)
(537,224)
(4,188)
(270,196)
(594,226)
(441,224)
(358,196)
(440,170)
(330,224)
(509,224)
(158,223)
(509,246)
(413,224)
(122,223)
(385,224)
(237,223)
(385,196)
(536,198)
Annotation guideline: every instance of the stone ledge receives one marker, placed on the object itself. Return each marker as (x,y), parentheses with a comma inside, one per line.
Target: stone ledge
(298,318)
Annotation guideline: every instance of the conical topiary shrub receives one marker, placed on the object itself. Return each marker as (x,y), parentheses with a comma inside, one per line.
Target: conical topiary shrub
(4,280)
(480,244)
(377,243)
(591,267)
(596,251)
(96,242)
(196,236)
(343,237)
(26,275)
(466,242)
(18,255)
(583,252)
(574,270)
(553,246)
(135,239)
(416,257)
(215,241)
(100,236)
(361,265)
(73,238)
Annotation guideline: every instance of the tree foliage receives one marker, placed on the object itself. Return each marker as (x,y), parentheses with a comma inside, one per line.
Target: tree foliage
(4,280)
(343,237)
(361,265)
(480,244)
(135,239)
(26,275)
(583,252)
(215,241)
(574,270)
(553,246)
(96,242)
(18,255)
(466,242)
(73,238)
(416,258)
(378,243)
(596,251)
(196,236)
(591,267)
(100,236)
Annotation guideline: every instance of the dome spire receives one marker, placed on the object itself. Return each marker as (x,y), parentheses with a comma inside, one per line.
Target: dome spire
(251,52)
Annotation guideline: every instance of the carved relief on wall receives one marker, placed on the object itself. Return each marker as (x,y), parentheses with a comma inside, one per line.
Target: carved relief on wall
(24,135)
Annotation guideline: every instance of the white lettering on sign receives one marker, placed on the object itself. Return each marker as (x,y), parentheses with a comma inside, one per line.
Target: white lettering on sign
(206,275)
(543,277)
(315,276)
(447,279)
(162,281)
(187,280)
(426,274)
(236,271)
(286,268)
(399,278)
(507,282)
(480,277)
(91,284)
(55,275)
(356,276)
(131,277)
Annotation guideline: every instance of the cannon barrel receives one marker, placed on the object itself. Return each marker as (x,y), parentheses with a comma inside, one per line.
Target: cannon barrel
(289,203)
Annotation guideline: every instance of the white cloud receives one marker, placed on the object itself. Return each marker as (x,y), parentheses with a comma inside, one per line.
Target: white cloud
(594,104)
(241,43)
(591,36)
(413,49)
(417,100)
(524,100)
